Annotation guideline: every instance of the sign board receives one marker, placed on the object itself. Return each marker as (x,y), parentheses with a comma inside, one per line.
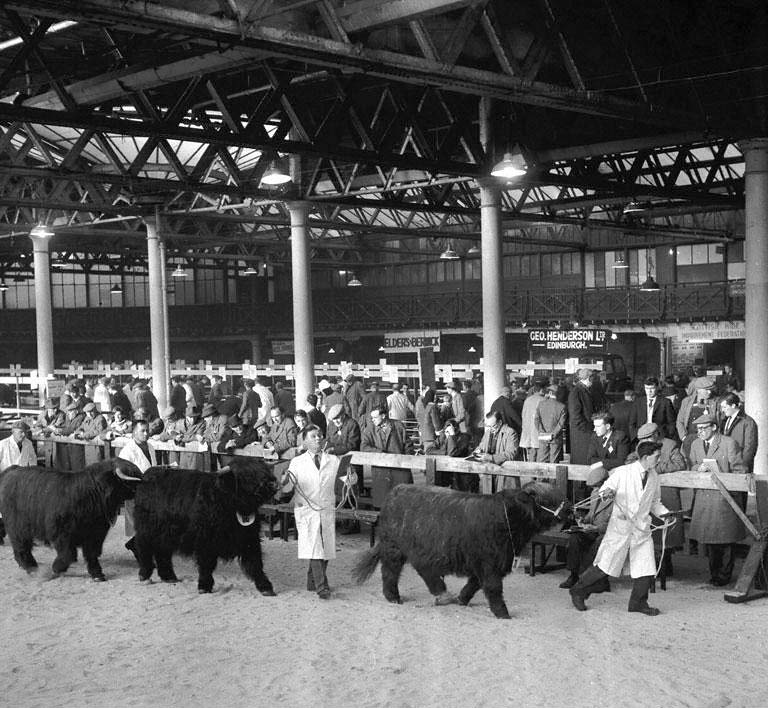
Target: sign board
(411,341)
(55,388)
(282,347)
(568,341)
(721,329)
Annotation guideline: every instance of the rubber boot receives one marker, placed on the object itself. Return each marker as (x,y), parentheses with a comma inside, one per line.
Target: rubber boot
(638,600)
(592,576)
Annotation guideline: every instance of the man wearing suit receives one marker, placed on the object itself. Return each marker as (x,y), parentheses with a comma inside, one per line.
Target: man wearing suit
(385,435)
(736,424)
(713,521)
(580,411)
(607,446)
(653,408)
(550,421)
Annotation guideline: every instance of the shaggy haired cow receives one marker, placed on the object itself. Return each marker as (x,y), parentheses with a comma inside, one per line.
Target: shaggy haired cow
(64,510)
(205,515)
(442,532)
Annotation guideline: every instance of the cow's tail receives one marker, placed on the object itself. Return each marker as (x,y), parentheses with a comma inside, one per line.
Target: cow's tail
(366,564)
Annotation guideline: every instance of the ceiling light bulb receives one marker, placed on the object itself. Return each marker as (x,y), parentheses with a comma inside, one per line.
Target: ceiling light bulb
(275,176)
(513,165)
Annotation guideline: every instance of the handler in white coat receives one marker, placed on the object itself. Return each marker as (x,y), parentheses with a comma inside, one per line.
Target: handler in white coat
(138,449)
(312,476)
(17,449)
(636,492)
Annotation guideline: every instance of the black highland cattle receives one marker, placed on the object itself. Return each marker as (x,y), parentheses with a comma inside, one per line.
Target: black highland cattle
(442,532)
(204,515)
(64,510)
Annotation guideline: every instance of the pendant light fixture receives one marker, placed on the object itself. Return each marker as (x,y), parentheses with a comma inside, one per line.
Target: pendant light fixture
(512,165)
(274,176)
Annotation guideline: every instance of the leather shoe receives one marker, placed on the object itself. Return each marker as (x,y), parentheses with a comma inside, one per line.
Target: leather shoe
(569,582)
(603,585)
(324,594)
(578,601)
(719,582)
(646,610)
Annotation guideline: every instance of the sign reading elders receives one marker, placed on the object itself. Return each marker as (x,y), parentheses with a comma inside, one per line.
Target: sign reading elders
(568,341)
(411,341)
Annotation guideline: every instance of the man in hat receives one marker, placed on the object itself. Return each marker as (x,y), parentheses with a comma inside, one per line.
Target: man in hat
(457,405)
(580,410)
(336,397)
(699,402)
(214,430)
(219,389)
(50,419)
(655,408)
(73,416)
(503,406)
(549,422)
(372,400)
(343,433)
(17,449)
(282,432)
(529,437)
(670,460)
(713,521)
(92,425)
(354,392)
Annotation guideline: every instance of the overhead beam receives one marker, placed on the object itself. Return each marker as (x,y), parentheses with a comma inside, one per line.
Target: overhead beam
(293,45)
(365,14)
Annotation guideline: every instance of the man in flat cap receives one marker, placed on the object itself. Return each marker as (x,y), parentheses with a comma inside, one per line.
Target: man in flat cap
(92,425)
(50,419)
(17,449)
(700,401)
(670,460)
(713,521)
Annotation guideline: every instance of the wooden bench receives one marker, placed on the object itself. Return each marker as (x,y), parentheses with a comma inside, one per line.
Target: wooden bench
(552,540)
(284,514)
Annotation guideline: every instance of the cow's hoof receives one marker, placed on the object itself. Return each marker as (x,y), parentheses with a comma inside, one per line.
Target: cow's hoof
(268,593)
(99,579)
(171,581)
(504,617)
(445,598)
(204,591)
(395,600)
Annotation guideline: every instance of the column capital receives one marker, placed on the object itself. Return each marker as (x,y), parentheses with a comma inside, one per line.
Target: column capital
(299,205)
(40,243)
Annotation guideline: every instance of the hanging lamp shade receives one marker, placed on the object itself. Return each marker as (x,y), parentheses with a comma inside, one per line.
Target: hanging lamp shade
(116,289)
(633,207)
(179,272)
(274,176)
(331,351)
(512,165)
(250,270)
(3,286)
(650,285)
(449,254)
(473,251)
(620,262)
(472,350)
(354,283)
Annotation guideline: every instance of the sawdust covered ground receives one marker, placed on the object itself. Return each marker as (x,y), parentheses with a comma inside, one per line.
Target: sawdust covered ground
(71,642)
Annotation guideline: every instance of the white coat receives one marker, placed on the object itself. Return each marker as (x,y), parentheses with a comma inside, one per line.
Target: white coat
(11,455)
(132,452)
(629,528)
(316,526)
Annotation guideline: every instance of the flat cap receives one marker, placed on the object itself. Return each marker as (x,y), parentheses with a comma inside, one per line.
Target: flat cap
(19,425)
(706,419)
(583,374)
(647,431)
(335,411)
(88,407)
(704,382)
(553,387)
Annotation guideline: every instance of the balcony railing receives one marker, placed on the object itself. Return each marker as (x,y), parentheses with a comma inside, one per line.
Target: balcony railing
(379,310)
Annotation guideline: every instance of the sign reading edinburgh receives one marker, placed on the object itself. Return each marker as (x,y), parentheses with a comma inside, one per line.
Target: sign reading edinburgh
(568,341)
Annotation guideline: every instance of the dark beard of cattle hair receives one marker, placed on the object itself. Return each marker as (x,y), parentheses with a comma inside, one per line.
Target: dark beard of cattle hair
(458,533)
(41,503)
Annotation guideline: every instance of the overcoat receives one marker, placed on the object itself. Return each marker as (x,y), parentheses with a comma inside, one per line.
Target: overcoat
(315,504)
(629,529)
(713,520)
(580,410)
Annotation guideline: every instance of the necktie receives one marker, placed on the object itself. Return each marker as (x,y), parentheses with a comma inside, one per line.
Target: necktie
(706,446)
(605,440)
(650,408)
(317,461)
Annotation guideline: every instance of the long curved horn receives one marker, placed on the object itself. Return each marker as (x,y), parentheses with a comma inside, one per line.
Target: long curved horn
(125,477)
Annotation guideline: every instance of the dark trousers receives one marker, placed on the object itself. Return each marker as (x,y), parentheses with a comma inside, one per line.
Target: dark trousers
(581,550)
(593,578)
(722,557)
(316,578)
